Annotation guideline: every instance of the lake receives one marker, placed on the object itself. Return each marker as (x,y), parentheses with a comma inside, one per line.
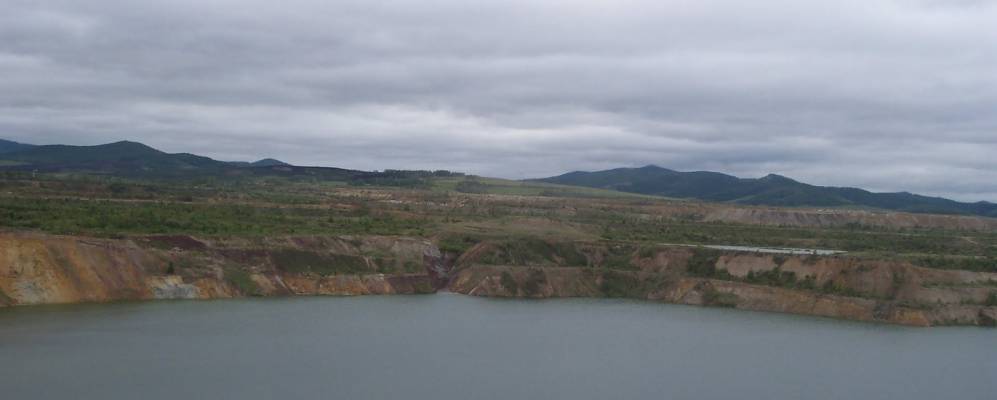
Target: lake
(448,346)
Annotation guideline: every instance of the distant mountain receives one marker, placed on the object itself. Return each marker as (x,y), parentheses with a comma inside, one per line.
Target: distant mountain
(124,157)
(269,162)
(7,146)
(132,159)
(772,190)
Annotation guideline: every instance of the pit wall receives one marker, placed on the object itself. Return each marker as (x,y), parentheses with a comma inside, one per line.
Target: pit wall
(835,286)
(49,269)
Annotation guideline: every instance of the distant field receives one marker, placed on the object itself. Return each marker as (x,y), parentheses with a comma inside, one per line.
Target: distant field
(523,188)
(459,210)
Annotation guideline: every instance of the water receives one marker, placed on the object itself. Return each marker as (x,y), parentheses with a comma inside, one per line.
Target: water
(449,346)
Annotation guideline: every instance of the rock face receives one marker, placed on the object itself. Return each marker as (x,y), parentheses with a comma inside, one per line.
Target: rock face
(837,287)
(48,269)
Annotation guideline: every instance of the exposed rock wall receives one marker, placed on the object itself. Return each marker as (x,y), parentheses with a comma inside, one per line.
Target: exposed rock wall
(48,269)
(838,287)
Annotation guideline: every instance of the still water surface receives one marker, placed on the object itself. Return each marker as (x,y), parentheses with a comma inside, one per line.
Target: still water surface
(449,346)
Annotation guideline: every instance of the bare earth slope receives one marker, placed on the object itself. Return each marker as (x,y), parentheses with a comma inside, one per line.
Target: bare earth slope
(45,269)
(48,269)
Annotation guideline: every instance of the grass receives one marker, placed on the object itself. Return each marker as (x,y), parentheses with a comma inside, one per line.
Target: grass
(620,284)
(533,251)
(715,298)
(305,262)
(530,217)
(703,263)
(480,185)
(242,280)
(103,217)
(535,282)
(509,283)
(778,277)
(457,244)
(979,264)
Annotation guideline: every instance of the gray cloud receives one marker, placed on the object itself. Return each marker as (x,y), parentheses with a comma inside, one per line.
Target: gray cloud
(888,95)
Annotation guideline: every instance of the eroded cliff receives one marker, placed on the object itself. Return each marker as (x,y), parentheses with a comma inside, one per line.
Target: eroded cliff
(47,269)
(838,286)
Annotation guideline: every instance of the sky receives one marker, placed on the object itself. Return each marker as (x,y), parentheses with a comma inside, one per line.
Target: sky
(887,95)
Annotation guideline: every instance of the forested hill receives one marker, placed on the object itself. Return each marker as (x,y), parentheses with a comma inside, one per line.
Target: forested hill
(772,190)
(7,146)
(136,160)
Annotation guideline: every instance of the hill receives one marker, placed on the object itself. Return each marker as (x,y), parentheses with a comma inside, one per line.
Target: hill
(269,162)
(771,190)
(127,158)
(136,160)
(7,146)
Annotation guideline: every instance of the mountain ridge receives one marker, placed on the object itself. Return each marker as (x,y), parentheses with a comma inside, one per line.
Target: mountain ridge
(770,190)
(10,146)
(133,159)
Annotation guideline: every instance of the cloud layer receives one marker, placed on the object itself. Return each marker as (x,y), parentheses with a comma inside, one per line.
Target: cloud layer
(887,95)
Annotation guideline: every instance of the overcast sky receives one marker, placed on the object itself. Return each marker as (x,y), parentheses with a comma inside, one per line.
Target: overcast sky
(885,95)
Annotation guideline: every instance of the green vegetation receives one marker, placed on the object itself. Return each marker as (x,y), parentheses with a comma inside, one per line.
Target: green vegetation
(103,217)
(7,146)
(991,300)
(980,264)
(620,284)
(509,283)
(703,263)
(715,298)
(535,282)
(530,228)
(413,267)
(303,262)
(481,185)
(778,277)
(532,251)
(835,288)
(772,190)
(471,186)
(457,244)
(242,280)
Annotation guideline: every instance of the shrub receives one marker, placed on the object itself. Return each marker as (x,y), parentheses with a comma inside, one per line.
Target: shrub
(471,186)
(703,263)
(715,298)
(509,283)
(533,251)
(830,287)
(413,267)
(534,283)
(773,277)
(619,284)
(457,244)
(241,280)
(299,261)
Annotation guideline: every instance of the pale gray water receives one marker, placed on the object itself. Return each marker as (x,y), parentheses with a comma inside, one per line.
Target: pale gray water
(449,346)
